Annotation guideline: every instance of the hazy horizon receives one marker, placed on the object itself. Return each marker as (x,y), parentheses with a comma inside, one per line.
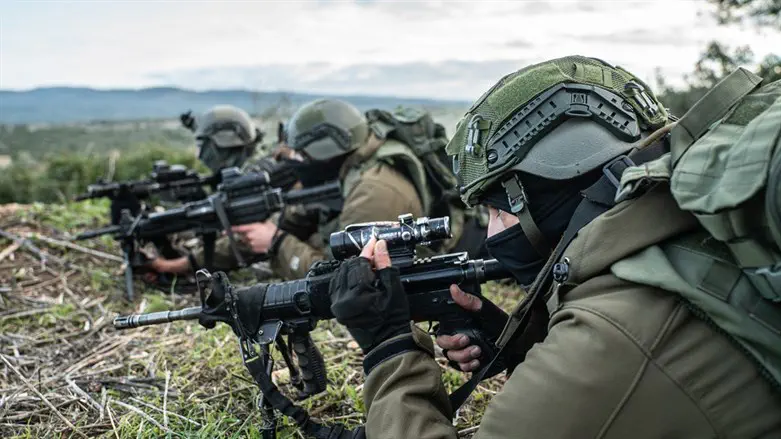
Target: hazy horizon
(426,49)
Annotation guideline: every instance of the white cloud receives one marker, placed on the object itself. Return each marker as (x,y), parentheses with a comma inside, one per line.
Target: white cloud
(335,45)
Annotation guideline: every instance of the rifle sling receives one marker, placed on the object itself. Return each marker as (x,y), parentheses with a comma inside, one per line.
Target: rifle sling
(209,240)
(281,403)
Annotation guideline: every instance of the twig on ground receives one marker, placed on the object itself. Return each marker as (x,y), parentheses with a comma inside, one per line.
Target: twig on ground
(176,415)
(229,392)
(70,245)
(43,398)
(33,249)
(10,249)
(144,415)
(29,312)
(83,394)
(111,418)
(165,397)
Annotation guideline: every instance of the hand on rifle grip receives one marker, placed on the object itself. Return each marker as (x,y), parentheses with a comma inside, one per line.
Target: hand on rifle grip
(469,342)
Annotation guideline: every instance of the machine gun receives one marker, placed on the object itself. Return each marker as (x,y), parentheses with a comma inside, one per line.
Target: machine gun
(293,308)
(240,199)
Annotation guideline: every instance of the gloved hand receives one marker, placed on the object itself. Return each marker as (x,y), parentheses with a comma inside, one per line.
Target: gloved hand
(249,306)
(372,305)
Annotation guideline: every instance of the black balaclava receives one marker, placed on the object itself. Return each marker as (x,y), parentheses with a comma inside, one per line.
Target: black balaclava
(316,172)
(551,204)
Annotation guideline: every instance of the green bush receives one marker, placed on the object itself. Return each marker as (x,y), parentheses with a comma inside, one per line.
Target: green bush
(60,176)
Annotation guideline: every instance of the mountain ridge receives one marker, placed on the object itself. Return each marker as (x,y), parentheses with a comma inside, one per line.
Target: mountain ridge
(65,104)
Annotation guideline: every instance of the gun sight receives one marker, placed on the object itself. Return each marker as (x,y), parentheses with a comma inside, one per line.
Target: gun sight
(401,235)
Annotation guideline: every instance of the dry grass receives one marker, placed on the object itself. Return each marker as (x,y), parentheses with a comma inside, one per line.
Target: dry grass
(65,372)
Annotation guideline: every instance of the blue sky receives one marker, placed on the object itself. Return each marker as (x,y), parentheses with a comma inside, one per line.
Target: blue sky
(436,49)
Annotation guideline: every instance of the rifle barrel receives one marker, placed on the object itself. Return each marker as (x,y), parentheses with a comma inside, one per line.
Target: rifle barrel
(89,234)
(156,318)
(306,195)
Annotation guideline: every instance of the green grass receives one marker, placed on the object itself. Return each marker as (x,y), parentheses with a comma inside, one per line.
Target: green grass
(209,392)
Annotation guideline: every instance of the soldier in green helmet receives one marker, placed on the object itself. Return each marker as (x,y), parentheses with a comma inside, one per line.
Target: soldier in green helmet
(381,178)
(604,344)
(225,137)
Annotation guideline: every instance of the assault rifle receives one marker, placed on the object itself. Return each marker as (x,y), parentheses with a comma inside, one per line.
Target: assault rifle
(293,308)
(240,199)
(170,182)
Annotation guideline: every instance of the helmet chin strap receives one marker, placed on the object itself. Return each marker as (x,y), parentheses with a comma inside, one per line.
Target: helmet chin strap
(516,195)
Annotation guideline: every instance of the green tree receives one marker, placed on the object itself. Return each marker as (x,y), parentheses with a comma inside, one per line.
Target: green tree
(718,60)
(763,13)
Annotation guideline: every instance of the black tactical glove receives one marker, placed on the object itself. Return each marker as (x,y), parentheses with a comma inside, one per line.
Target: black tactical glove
(373,306)
(248,306)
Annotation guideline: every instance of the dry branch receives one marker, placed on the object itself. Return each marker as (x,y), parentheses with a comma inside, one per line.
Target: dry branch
(43,398)
(72,246)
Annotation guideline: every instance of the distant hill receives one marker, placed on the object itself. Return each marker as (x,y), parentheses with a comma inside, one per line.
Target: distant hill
(58,105)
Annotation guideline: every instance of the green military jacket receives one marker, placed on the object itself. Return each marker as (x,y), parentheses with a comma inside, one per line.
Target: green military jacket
(621,360)
(373,191)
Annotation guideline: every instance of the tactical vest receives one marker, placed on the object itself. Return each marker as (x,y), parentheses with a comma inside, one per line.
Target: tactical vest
(724,167)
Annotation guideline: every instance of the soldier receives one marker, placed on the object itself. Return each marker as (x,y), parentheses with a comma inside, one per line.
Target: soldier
(381,178)
(608,357)
(225,137)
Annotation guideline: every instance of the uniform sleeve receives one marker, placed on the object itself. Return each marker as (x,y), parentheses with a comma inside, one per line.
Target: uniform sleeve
(294,257)
(405,397)
(381,194)
(299,221)
(224,259)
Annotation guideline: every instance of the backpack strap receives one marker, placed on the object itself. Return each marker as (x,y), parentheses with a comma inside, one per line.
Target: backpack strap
(712,107)
(397,153)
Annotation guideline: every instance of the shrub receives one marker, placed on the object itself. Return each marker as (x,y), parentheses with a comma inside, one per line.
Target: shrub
(57,177)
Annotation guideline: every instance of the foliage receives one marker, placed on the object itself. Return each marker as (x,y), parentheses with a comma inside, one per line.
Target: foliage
(718,60)
(57,176)
(758,12)
(95,137)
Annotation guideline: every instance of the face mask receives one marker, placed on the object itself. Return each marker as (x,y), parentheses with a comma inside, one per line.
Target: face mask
(511,248)
(220,158)
(314,173)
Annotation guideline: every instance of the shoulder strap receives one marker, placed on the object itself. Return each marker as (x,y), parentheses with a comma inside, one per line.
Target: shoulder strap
(711,108)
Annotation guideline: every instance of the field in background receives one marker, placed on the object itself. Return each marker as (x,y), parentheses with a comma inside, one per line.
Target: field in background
(52,163)
(65,372)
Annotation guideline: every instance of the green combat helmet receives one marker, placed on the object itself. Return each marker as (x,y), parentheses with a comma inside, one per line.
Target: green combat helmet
(226,136)
(327,128)
(558,119)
